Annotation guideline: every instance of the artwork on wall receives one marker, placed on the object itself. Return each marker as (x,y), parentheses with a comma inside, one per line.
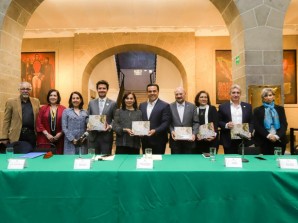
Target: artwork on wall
(290,77)
(223,64)
(38,68)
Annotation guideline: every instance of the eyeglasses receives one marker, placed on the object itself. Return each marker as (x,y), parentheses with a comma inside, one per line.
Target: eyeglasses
(25,89)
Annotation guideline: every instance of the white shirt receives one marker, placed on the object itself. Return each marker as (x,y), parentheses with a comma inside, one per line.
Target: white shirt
(236,113)
(150,106)
(101,104)
(180,109)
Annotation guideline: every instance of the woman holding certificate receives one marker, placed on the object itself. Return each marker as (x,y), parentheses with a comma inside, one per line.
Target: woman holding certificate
(126,141)
(74,125)
(208,120)
(270,124)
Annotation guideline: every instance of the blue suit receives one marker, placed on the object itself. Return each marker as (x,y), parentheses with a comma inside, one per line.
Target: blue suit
(160,119)
(224,115)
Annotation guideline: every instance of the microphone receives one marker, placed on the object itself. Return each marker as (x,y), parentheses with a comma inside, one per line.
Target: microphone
(242,136)
(83,137)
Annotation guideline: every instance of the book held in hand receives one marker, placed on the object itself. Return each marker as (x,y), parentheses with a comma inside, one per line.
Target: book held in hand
(206,131)
(183,133)
(97,122)
(141,128)
(242,129)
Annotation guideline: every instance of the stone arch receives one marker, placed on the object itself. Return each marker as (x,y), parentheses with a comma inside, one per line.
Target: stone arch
(129,47)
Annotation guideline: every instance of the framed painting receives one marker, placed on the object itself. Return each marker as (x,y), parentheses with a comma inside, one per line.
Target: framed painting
(38,68)
(223,64)
(290,77)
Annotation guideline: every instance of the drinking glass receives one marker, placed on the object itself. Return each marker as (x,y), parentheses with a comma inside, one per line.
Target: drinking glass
(277,152)
(148,153)
(9,153)
(212,153)
(91,153)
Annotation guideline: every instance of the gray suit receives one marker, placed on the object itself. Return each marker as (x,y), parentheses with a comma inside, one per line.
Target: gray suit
(190,119)
(102,141)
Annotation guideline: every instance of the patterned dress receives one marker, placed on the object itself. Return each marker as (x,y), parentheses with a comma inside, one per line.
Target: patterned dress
(73,126)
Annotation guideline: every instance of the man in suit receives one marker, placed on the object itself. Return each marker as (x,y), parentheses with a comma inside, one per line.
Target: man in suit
(184,114)
(231,113)
(20,116)
(158,113)
(102,141)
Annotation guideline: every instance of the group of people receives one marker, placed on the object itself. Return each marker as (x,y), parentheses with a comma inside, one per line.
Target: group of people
(67,127)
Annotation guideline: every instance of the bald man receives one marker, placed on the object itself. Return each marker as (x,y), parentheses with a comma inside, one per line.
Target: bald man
(184,114)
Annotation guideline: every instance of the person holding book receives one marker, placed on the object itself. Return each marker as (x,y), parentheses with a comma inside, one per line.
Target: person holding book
(208,120)
(158,113)
(270,124)
(234,115)
(126,141)
(102,140)
(74,125)
(49,122)
(184,125)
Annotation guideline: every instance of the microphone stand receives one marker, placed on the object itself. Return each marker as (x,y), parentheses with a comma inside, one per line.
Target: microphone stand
(242,151)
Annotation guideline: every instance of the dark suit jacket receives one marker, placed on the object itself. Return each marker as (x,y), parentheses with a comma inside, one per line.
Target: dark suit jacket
(261,133)
(224,115)
(160,119)
(108,110)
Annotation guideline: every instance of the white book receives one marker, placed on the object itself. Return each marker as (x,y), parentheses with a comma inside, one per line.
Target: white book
(183,133)
(141,128)
(97,122)
(240,129)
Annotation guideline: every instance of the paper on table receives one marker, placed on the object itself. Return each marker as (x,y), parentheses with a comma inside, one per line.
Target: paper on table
(155,157)
(32,155)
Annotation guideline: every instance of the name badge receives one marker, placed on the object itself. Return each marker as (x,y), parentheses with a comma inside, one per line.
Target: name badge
(16,164)
(82,164)
(144,163)
(288,164)
(233,162)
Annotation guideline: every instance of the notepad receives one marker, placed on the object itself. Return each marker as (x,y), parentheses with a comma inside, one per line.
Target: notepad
(32,155)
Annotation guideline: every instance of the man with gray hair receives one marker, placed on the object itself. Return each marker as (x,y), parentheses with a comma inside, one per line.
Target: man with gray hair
(230,114)
(19,117)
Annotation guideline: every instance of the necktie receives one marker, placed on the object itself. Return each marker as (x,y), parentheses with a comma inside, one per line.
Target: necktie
(101,106)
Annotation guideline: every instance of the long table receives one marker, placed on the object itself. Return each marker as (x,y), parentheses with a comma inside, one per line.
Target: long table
(180,188)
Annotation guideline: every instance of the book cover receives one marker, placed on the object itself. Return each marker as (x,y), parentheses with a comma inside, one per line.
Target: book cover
(97,122)
(183,133)
(141,128)
(240,129)
(206,131)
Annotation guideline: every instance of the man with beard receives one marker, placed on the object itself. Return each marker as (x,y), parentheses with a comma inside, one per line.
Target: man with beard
(20,115)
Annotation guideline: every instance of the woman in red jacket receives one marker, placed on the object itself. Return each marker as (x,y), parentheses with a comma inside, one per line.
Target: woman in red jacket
(49,120)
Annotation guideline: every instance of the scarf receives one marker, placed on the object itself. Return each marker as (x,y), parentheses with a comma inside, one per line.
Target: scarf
(206,112)
(271,116)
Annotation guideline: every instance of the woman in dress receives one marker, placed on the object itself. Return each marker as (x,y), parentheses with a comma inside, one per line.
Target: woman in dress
(74,124)
(49,122)
(126,142)
(270,124)
(207,114)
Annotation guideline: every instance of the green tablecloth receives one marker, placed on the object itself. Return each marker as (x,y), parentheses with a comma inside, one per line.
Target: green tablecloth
(180,188)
